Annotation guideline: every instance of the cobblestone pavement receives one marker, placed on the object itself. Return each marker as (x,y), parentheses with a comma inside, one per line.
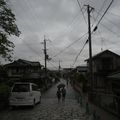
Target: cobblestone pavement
(49,109)
(51,93)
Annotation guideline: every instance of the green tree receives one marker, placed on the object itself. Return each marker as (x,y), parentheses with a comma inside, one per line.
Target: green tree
(8,27)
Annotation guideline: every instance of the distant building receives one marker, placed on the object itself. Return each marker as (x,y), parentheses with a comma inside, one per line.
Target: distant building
(82,69)
(66,72)
(17,69)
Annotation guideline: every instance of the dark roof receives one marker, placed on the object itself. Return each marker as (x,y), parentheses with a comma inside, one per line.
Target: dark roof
(103,52)
(21,62)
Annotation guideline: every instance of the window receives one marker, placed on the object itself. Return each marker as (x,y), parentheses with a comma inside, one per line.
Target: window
(34,87)
(21,88)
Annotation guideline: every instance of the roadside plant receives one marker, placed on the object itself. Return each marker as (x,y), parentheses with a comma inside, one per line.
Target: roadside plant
(8,28)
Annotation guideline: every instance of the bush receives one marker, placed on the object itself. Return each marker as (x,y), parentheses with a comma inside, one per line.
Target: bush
(4,95)
(79,77)
(4,88)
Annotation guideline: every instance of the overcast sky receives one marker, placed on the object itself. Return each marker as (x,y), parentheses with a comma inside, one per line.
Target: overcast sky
(62,23)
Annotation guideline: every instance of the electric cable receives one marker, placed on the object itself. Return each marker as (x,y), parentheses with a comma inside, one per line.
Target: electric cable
(80,52)
(102,38)
(52,65)
(109,29)
(70,45)
(109,21)
(103,15)
(105,28)
(100,10)
(92,32)
(68,27)
(81,11)
(114,14)
(99,34)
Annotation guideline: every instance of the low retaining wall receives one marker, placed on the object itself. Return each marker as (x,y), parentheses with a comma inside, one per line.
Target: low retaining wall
(105,102)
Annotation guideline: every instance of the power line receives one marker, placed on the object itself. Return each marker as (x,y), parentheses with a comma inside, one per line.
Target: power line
(53,65)
(110,30)
(100,9)
(63,35)
(114,14)
(103,38)
(99,35)
(113,43)
(68,28)
(28,25)
(79,52)
(106,28)
(22,8)
(81,11)
(109,21)
(33,15)
(70,45)
(31,48)
(104,13)
(74,20)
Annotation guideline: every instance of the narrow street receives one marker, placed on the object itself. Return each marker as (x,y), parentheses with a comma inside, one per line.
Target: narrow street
(51,93)
(49,109)
(46,43)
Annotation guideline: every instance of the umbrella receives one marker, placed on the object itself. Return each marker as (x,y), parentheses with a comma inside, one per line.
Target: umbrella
(61,85)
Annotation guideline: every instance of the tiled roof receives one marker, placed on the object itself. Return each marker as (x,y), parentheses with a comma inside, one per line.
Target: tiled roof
(103,52)
(21,62)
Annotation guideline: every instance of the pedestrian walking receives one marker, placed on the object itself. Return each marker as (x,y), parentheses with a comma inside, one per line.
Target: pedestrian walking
(87,108)
(63,93)
(67,82)
(58,94)
(81,100)
(94,115)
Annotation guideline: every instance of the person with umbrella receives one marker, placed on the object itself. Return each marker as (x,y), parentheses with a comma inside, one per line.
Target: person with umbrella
(61,85)
(63,93)
(58,94)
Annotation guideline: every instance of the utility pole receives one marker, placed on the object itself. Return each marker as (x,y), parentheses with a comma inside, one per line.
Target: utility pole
(59,66)
(46,56)
(45,53)
(89,9)
(45,59)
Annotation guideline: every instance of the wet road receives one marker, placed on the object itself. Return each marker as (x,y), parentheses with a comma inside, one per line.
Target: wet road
(49,109)
(70,93)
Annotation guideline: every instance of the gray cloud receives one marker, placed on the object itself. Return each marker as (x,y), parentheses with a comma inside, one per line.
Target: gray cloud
(62,22)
